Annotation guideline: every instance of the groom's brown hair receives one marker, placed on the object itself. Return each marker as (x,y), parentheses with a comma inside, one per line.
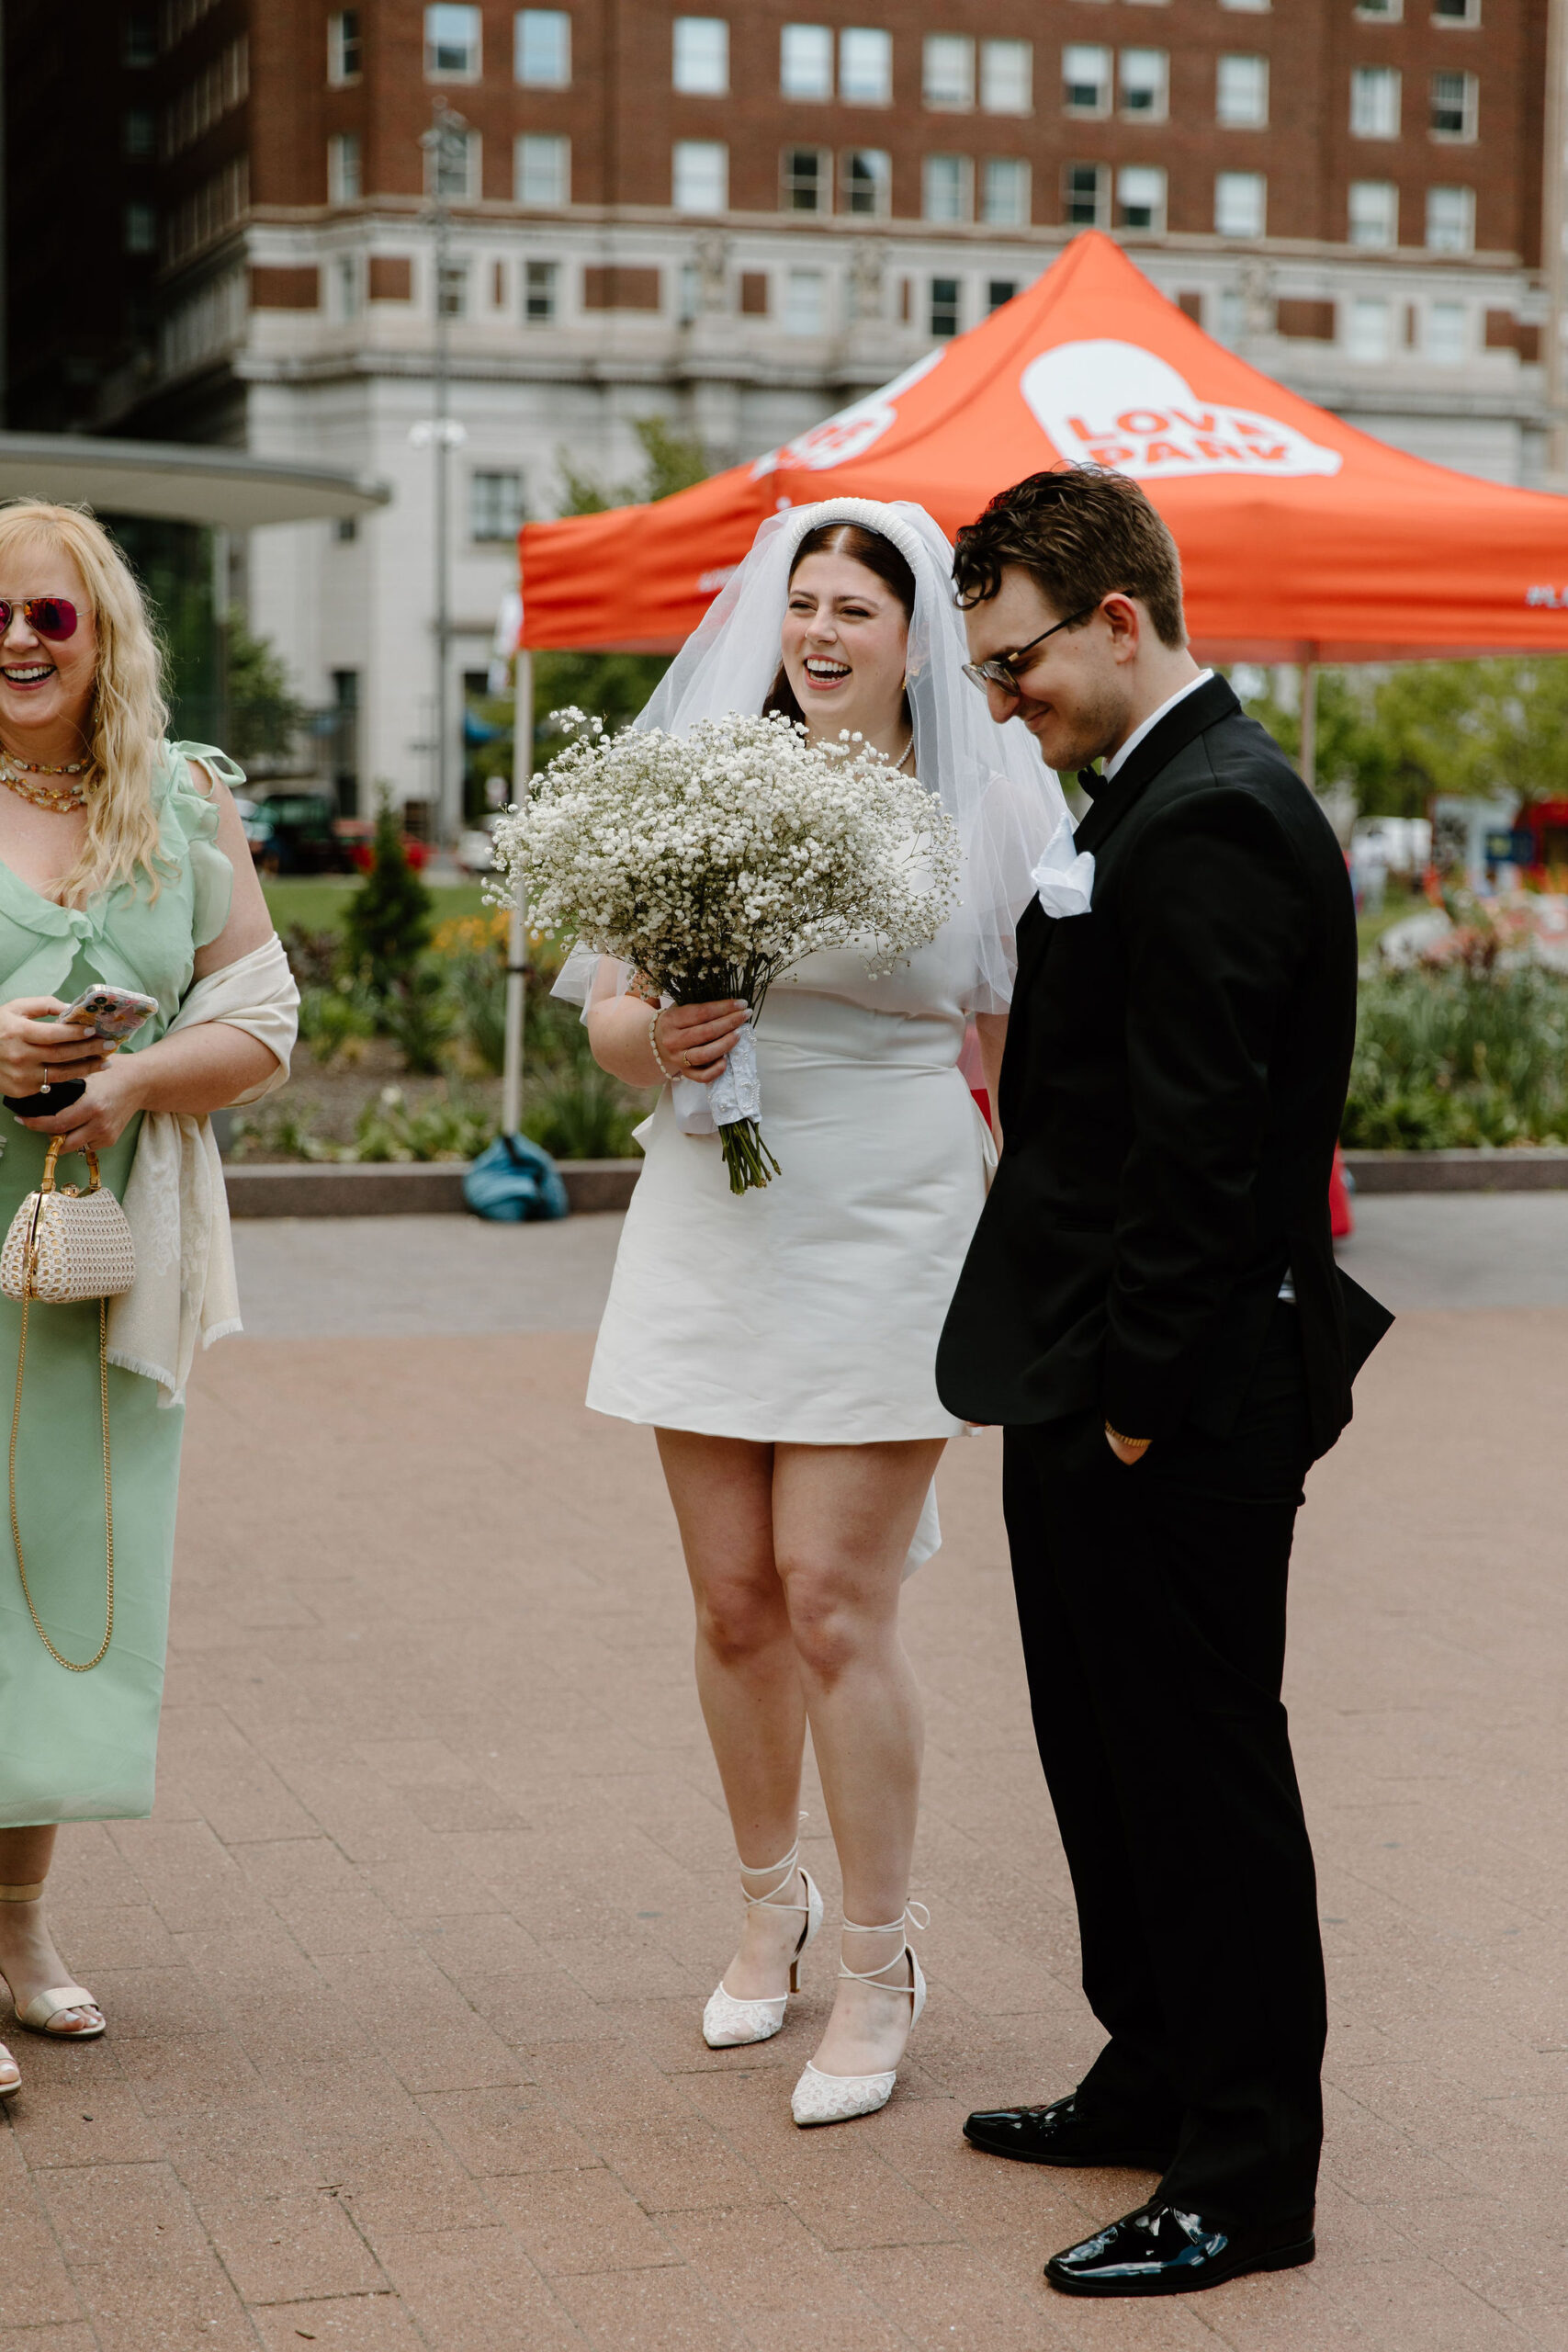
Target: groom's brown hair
(1081,533)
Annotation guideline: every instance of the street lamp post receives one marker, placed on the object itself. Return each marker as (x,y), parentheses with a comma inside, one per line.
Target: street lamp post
(445,148)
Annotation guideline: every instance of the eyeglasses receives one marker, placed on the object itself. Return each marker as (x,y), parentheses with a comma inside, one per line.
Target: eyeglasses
(1001,669)
(48,616)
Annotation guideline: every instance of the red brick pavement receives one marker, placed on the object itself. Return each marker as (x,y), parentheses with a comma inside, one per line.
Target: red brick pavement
(404,1975)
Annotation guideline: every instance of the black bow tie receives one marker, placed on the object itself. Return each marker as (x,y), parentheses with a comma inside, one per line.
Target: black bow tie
(1089,781)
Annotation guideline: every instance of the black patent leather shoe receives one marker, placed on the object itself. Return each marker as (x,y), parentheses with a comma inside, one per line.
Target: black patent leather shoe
(1059,2134)
(1164,2250)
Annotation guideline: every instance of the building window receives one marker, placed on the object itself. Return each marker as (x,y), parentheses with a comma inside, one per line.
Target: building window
(1374,213)
(1085,196)
(1006,76)
(1145,76)
(1085,79)
(1446,341)
(805,180)
(541,48)
(866,67)
(344,180)
(1140,198)
(1369,332)
(1004,192)
(998,291)
(138,132)
(1453,105)
(346,53)
(1230,326)
(1456,12)
(138,42)
(946,303)
(806,62)
(541,292)
(452,290)
(1383,12)
(701,56)
(804,302)
(1241,93)
(495,506)
(541,166)
(1248,7)
(1374,102)
(867,181)
(700,176)
(1241,201)
(140,229)
(452,52)
(350,301)
(947,189)
(1451,219)
(948,75)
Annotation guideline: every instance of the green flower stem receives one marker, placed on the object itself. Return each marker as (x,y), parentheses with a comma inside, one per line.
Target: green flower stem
(751,1163)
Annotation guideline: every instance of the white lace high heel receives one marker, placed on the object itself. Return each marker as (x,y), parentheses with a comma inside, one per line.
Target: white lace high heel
(837,2099)
(728,2022)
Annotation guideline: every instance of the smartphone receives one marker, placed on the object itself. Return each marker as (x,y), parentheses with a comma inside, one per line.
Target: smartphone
(109,1012)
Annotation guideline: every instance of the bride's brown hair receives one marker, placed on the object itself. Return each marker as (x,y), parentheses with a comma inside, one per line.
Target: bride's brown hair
(862,545)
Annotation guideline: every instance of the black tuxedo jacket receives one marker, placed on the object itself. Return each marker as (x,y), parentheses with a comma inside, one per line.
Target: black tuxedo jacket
(1176,1069)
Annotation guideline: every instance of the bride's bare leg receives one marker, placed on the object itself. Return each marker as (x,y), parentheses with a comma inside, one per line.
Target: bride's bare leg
(843,1519)
(747,1678)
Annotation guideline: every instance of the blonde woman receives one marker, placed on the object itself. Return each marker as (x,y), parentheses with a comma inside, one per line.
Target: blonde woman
(122,861)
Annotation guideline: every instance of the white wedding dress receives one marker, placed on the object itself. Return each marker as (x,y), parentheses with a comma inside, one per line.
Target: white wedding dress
(808,1313)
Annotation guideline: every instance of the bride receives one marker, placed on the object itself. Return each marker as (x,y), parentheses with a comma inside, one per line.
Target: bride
(781,1344)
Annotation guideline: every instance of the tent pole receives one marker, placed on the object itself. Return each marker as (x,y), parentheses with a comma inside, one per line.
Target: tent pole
(1309,724)
(522,771)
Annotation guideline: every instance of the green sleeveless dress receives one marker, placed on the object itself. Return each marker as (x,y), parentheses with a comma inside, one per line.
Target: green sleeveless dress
(82,1746)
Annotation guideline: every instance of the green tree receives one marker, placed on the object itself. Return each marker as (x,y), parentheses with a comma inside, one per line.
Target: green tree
(265,713)
(1401,733)
(388,922)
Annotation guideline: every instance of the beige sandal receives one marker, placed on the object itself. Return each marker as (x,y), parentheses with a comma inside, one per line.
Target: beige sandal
(38,2015)
(9,2090)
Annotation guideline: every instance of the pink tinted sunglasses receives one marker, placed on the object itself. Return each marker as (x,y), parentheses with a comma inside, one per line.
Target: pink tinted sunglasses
(50,617)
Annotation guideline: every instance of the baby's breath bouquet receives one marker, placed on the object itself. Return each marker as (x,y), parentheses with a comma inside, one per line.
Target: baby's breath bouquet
(712,862)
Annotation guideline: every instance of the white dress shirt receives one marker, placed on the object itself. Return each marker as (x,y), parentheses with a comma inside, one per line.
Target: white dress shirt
(1119,759)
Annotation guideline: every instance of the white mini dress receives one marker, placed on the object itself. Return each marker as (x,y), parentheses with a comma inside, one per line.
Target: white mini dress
(808,1313)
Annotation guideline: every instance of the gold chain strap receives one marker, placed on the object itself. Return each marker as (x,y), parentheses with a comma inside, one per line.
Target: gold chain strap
(73,1665)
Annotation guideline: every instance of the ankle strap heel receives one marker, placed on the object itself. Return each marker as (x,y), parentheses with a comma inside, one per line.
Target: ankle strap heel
(729,2022)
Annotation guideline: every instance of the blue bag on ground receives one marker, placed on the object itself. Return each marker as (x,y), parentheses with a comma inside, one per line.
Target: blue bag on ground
(514,1179)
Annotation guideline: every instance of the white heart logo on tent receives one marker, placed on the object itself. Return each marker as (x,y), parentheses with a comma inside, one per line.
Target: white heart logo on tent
(851,431)
(1115,404)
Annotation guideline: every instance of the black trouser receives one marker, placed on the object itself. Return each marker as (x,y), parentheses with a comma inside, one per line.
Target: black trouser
(1152,1604)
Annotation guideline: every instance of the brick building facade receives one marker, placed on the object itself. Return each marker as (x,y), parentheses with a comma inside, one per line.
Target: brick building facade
(739,220)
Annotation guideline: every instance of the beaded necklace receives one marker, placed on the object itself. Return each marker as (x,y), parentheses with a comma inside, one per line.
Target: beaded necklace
(15,778)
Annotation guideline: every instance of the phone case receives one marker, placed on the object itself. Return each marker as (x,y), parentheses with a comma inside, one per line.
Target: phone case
(113,1013)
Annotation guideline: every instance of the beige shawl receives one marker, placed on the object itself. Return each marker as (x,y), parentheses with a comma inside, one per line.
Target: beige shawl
(184,1290)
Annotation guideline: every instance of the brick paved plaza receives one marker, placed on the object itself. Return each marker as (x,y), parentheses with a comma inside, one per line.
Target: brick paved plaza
(404,1976)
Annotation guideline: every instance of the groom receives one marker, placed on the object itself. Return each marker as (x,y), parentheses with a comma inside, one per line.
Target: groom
(1152,1309)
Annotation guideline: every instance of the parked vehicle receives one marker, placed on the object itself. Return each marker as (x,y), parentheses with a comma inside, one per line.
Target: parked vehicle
(294,833)
(356,837)
(476,847)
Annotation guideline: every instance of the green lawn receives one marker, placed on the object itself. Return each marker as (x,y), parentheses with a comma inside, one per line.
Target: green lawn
(318,901)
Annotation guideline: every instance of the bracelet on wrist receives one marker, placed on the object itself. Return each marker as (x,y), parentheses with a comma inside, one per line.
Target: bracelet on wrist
(653,1042)
(1123,1439)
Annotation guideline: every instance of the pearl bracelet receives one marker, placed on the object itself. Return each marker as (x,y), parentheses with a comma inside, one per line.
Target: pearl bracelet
(653,1042)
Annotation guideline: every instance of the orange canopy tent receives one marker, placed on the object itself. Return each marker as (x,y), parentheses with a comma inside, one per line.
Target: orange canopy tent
(1301,540)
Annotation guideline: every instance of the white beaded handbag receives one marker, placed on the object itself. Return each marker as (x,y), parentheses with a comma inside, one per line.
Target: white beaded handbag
(65,1247)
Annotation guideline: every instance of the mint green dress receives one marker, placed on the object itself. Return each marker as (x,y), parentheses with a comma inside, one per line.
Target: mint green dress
(82,1746)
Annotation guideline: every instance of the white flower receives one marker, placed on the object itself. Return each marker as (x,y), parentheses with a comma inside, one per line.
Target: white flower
(713,861)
